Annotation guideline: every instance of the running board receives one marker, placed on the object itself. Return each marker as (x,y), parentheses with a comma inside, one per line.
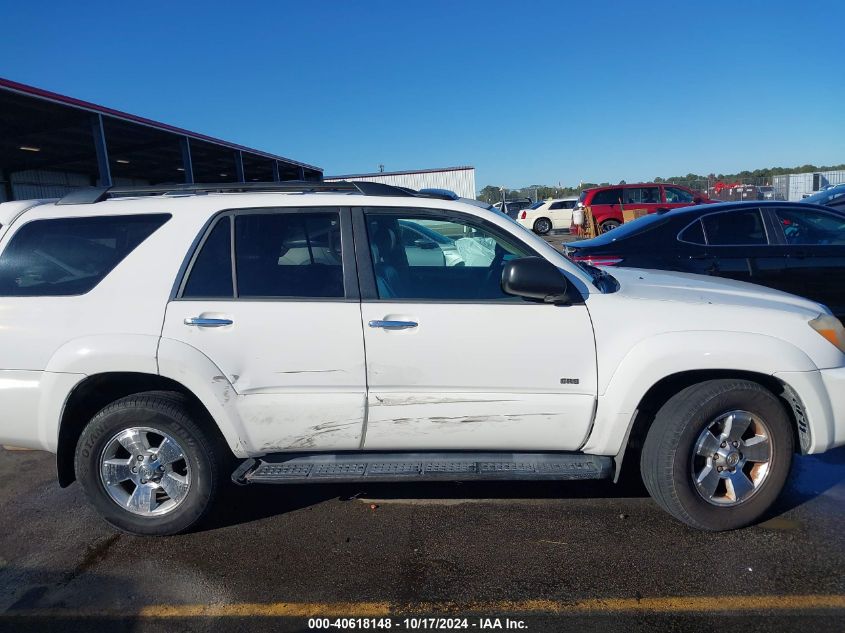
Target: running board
(297,468)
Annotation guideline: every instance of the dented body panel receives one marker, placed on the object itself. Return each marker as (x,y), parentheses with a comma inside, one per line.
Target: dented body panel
(294,369)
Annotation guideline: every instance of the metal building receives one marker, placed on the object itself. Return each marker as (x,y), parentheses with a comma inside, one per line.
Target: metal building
(461,180)
(799,186)
(50,143)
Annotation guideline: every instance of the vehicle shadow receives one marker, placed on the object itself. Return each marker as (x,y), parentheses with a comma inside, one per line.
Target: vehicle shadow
(812,476)
(244,504)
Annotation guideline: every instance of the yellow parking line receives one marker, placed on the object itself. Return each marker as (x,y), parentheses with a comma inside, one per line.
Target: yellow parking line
(592,606)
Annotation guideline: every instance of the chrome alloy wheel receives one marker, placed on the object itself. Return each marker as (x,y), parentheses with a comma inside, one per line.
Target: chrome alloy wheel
(145,471)
(732,458)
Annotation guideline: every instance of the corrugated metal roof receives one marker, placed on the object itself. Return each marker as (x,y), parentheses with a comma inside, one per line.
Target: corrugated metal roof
(399,173)
(39,93)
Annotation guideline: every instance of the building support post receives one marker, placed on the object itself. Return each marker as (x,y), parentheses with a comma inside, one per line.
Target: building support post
(6,179)
(301,172)
(239,166)
(276,177)
(99,135)
(187,162)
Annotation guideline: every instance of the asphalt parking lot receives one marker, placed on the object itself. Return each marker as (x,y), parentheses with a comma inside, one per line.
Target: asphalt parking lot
(592,556)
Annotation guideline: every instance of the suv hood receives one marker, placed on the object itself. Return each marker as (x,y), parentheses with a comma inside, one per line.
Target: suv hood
(659,285)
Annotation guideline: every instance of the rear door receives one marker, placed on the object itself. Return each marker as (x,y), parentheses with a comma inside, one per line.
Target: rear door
(815,243)
(740,246)
(271,298)
(645,198)
(453,362)
(560,213)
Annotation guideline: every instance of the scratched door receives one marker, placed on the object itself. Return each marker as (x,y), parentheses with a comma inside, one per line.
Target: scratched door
(286,333)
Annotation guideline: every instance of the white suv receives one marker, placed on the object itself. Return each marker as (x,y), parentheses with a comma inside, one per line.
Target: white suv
(163,341)
(541,217)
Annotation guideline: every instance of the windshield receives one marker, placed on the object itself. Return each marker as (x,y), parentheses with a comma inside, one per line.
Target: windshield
(536,205)
(823,197)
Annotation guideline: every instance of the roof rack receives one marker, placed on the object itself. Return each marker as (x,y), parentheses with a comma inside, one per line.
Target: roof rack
(91,195)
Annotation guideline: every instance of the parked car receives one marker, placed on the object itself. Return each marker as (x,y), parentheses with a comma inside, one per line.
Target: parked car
(545,215)
(833,197)
(795,247)
(161,344)
(607,203)
(511,208)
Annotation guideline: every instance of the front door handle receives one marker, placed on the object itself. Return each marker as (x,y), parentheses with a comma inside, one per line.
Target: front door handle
(394,325)
(204,322)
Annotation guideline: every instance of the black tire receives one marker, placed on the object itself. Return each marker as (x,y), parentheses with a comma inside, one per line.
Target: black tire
(172,414)
(668,453)
(609,225)
(542,226)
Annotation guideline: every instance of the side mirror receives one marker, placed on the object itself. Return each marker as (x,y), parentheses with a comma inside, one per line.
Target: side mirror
(537,279)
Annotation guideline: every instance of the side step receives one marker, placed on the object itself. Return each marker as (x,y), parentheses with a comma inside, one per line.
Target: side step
(297,468)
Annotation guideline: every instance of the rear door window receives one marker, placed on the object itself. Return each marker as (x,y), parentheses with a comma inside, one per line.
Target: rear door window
(735,228)
(694,233)
(289,255)
(211,274)
(641,195)
(70,256)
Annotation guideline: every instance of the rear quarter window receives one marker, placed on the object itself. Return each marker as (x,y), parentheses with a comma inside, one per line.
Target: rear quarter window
(70,256)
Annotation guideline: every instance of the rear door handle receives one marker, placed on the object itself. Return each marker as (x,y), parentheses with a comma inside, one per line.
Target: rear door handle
(394,325)
(203,322)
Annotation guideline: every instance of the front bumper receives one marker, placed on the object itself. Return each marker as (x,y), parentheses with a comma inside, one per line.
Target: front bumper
(822,398)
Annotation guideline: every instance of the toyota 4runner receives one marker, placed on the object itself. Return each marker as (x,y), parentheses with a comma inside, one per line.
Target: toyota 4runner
(162,340)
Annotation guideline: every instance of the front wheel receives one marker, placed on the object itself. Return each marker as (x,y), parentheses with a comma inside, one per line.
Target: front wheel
(147,466)
(718,454)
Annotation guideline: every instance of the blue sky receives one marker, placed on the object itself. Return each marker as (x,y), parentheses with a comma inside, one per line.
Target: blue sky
(528,92)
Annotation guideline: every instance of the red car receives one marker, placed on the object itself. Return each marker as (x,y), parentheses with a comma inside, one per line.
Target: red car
(607,203)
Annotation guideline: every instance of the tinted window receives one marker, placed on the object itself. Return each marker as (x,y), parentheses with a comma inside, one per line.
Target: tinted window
(678,196)
(694,233)
(641,195)
(288,255)
(557,205)
(211,274)
(808,226)
(607,196)
(70,256)
(468,266)
(735,228)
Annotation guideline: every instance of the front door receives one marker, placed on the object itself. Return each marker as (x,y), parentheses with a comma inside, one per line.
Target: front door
(281,321)
(815,243)
(453,362)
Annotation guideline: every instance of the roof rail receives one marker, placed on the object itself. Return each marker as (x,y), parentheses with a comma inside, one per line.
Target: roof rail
(91,195)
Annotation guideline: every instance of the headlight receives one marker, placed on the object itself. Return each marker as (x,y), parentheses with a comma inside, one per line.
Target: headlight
(831,328)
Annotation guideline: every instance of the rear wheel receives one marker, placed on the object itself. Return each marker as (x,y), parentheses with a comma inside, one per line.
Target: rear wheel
(147,466)
(609,225)
(542,226)
(718,454)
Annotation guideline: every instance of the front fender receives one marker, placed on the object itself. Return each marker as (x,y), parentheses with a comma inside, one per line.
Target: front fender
(658,357)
